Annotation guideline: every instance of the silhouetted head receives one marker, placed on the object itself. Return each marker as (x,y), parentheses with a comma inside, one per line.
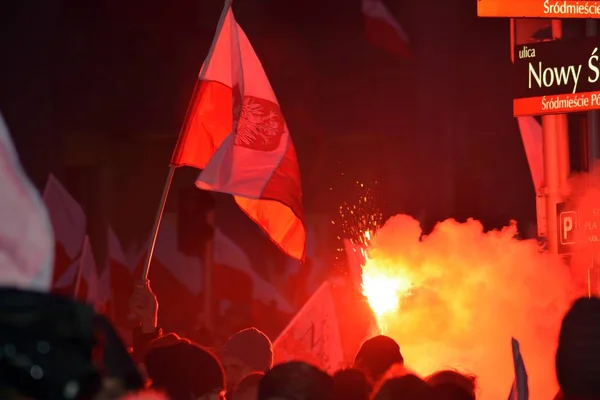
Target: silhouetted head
(351,384)
(453,383)
(247,351)
(377,355)
(408,387)
(247,389)
(185,371)
(578,354)
(295,381)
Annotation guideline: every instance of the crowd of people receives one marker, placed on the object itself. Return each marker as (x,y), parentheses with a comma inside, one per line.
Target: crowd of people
(54,347)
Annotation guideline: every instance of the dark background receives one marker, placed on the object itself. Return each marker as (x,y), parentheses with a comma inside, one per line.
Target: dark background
(95,92)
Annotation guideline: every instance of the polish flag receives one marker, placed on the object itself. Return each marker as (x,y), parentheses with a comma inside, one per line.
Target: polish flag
(531,134)
(383,30)
(69,225)
(235,132)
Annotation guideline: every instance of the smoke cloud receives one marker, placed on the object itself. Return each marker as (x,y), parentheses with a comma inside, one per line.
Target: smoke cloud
(471,292)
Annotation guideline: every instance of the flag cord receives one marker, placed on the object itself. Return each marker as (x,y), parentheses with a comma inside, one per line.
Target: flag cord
(157,220)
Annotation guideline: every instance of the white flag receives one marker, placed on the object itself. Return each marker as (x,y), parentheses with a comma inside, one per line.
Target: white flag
(26,239)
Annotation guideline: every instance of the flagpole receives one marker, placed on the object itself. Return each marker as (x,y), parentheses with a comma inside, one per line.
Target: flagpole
(171,172)
(157,220)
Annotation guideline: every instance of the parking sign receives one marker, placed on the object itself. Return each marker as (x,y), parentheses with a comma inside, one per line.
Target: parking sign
(567,225)
(568,222)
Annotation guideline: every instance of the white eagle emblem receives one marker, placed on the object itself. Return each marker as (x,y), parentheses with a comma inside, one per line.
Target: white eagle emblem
(260,125)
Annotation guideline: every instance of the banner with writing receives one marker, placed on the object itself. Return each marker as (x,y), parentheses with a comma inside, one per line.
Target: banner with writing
(313,334)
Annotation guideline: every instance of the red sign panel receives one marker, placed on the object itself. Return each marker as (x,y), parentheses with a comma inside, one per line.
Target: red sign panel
(538,8)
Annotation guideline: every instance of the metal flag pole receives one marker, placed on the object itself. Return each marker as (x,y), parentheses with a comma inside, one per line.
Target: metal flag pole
(157,220)
(171,172)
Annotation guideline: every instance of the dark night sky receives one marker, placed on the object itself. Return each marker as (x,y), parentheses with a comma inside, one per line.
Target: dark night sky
(438,132)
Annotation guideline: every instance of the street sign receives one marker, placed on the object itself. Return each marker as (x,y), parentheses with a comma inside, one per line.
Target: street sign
(578,230)
(538,9)
(557,77)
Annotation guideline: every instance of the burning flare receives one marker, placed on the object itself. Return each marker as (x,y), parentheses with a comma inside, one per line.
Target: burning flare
(383,284)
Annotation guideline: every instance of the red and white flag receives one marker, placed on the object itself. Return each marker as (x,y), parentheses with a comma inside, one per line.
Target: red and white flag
(383,30)
(69,225)
(531,134)
(235,132)
(313,335)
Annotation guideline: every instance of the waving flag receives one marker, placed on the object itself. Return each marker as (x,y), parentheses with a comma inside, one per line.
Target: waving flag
(383,30)
(520,387)
(26,240)
(235,132)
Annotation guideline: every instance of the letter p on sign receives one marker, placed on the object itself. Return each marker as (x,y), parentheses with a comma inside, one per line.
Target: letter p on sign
(567,222)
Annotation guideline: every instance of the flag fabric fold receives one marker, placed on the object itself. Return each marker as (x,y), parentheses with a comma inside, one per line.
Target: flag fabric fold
(383,31)
(26,237)
(531,134)
(236,133)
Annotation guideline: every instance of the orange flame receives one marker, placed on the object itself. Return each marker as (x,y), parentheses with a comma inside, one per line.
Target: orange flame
(384,286)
